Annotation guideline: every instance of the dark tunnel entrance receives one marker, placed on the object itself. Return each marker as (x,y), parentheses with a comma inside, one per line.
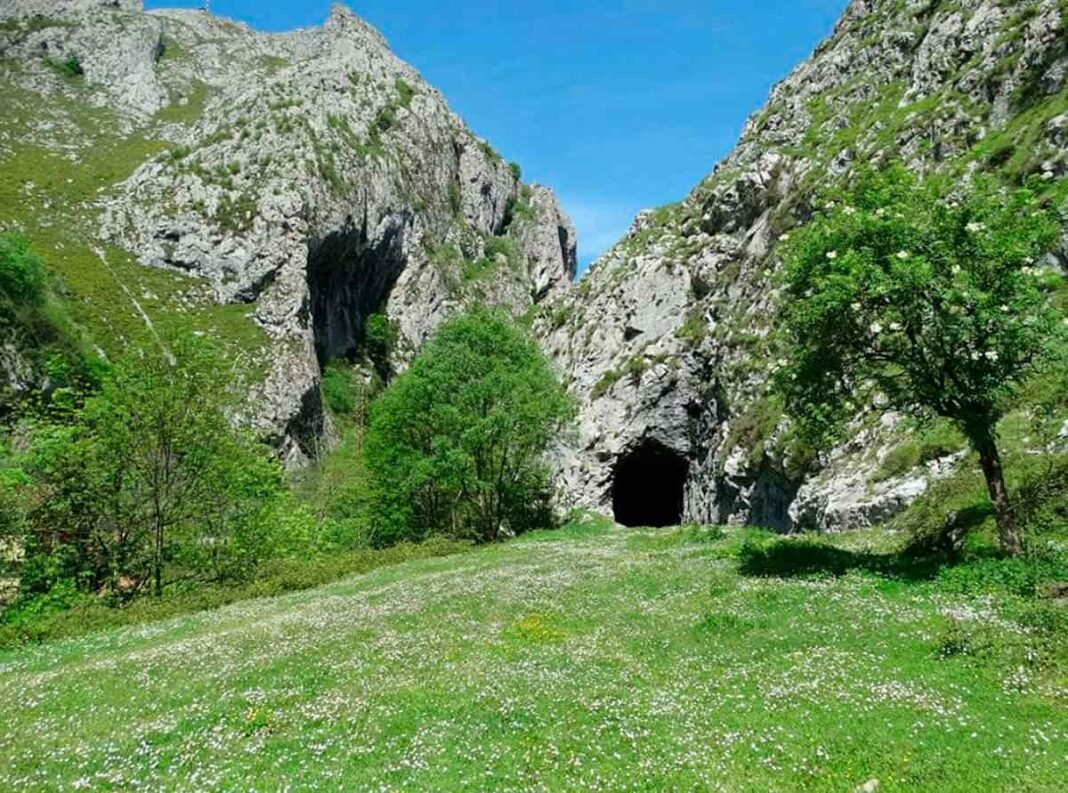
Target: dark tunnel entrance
(648,486)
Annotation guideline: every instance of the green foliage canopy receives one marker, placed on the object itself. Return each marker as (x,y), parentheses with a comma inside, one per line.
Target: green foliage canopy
(22,275)
(456,444)
(938,305)
(149,483)
(901,297)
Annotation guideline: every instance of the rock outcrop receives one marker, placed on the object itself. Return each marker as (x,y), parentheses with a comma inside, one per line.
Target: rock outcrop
(311,176)
(665,342)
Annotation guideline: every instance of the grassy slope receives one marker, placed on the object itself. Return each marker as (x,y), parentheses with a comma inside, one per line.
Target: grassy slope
(52,195)
(588,659)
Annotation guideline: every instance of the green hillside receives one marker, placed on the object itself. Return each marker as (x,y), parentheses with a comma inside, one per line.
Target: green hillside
(592,658)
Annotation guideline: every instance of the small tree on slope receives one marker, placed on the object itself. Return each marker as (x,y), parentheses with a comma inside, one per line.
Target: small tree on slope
(925,305)
(456,443)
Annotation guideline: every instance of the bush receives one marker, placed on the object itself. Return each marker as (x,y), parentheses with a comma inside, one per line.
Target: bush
(341,388)
(380,337)
(386,118)
(22,275)
(455,445)
(404,92)
(70,67)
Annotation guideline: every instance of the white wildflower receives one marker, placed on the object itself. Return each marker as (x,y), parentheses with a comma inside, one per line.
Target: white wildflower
(785,237)
(855,306)
(876,328)
(955,269)
(832,255)
(976,356)
(1003,309)
(880,212)
(975,228)
(991,355)
(849,211)
(903,254)
(895,326)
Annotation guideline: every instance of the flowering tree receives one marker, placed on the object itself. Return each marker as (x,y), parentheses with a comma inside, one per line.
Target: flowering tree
(903,299)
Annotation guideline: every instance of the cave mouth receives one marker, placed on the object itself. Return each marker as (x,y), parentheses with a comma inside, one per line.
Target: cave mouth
(648,486)
(349,279)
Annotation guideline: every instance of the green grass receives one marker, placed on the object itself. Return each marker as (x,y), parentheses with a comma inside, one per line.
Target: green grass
(592,657)
(50,195)
(87,615)
(189,108)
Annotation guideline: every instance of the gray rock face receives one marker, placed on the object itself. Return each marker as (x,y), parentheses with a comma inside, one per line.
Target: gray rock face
(114,42)
(664,342)
(312,176)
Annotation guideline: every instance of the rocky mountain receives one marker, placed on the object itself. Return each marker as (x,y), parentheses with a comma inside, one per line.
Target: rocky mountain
(665,343)
(272,191)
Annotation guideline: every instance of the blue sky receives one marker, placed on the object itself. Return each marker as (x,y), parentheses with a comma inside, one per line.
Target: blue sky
(619,105)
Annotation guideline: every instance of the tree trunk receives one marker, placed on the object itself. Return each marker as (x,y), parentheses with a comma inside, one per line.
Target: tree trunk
(990,461)
(158,558)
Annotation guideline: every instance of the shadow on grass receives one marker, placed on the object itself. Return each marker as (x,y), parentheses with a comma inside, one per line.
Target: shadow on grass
(805,558)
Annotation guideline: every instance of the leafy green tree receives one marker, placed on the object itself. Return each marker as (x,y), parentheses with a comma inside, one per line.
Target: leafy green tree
(380,337)
(151,479)
(456,445)
(907,300)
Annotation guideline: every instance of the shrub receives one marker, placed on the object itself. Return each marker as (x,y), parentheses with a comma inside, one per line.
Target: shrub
(22,275)
(404,92)
(455,445)
(340,388)
(380,337)
(455,199)
(386,118)
(69,67)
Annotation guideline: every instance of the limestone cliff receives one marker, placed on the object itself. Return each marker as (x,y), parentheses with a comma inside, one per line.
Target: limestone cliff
(665,342)
(270,190)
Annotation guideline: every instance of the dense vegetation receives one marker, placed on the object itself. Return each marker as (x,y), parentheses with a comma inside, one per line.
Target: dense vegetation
(35,322)
(135,478)
(909,297)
